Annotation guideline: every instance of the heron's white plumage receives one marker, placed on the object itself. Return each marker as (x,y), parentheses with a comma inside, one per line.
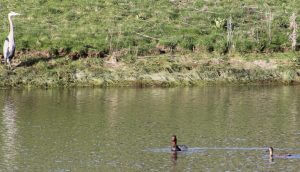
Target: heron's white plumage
(9,43)
(5,50)
(8,50)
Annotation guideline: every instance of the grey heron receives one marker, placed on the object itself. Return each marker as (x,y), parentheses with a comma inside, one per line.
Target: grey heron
(9,43)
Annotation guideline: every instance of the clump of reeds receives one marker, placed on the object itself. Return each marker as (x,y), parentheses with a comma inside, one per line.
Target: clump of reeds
(269,19)
(229,33)
(293,27)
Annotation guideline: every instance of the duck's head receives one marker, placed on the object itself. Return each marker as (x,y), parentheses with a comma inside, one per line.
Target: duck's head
(271,150)
(174,139)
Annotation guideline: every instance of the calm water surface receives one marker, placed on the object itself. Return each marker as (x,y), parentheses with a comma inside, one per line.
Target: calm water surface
(226,128)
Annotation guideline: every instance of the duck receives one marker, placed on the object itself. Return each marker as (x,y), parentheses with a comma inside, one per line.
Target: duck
(175,147)
(272,155)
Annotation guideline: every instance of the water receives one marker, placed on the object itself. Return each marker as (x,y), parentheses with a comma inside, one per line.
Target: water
(225,128)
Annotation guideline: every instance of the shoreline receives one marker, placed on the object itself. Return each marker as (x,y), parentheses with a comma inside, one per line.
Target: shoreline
(166,70)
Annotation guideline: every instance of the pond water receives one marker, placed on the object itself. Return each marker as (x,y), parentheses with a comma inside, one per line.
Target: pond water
(80,129)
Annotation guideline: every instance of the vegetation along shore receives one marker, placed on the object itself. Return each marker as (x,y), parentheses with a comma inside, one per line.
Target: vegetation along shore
(152,43)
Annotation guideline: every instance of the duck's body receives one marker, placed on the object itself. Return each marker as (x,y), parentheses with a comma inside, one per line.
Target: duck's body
(179,148)
(175,147)
(281,156)
(272,155)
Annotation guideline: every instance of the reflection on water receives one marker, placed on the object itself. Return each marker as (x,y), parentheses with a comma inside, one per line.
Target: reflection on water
(226,128)
(9,133)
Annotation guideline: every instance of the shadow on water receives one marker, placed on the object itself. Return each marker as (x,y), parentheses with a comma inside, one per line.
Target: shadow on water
(193,150)
(202,149)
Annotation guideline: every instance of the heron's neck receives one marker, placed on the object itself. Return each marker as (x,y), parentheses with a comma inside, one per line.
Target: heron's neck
(11,27)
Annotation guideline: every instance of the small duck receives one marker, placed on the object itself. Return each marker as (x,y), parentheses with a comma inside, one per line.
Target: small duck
(175,147)
(271,154)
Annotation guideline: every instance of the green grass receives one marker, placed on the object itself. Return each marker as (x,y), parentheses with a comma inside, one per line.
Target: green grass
(141,25)
(160,42)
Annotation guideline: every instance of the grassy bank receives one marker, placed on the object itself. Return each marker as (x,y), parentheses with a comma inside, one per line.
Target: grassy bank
(164,70)
(151,42)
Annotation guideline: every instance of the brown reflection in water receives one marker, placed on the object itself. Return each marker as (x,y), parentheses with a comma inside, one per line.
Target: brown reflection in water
(294,109)
(112,102)
(9,133)
(174,160)
(174,157)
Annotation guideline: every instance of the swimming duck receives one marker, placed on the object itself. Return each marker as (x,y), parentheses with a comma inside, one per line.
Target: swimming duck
(271,154)
(175,147)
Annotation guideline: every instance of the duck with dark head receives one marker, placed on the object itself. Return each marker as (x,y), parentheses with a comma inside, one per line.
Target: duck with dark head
(175,147)
(272,155)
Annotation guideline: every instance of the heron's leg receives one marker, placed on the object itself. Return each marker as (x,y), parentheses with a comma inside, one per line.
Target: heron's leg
(9,64)
(6,61)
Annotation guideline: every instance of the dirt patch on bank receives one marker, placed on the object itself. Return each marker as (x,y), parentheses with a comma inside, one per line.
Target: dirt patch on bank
(262,64)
